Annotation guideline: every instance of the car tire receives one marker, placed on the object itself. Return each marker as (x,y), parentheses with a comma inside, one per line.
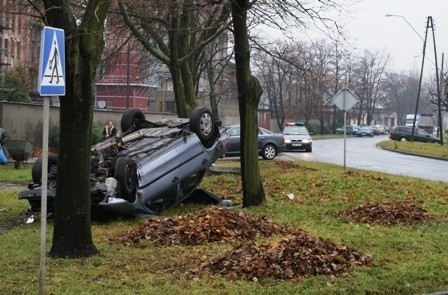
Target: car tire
(130,117)
(309,150)
(403,139)
(201,123)
(269,152)
(36,170)
(126,176)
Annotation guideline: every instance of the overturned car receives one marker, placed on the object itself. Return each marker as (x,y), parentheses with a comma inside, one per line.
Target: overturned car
(146,168)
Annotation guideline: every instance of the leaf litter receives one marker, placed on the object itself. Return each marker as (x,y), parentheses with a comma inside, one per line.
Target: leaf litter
(387,214)
(297,255)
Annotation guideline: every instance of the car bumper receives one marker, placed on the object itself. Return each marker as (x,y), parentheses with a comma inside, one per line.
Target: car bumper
(297,146)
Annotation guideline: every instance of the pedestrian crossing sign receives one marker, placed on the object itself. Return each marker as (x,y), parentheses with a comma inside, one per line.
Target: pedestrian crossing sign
(52,62)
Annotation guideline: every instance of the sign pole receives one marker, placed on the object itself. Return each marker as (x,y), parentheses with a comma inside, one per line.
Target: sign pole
(51,82)
(345,130)
(43,209)
(345,100)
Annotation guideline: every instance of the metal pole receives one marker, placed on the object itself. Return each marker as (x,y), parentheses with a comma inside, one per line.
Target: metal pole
(345,131)
(43,209)
(397,15)
(439,112)
(420,82)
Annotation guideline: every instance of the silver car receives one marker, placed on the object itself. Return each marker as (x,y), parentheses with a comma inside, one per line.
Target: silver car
(147,168)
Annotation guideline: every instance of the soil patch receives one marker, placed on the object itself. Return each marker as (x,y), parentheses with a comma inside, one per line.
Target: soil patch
(22,219)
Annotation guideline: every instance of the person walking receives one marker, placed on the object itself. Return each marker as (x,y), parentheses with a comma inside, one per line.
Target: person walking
(109,130)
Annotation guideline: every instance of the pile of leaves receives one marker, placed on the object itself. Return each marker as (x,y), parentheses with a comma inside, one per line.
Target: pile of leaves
(295,256)
(211,224)
(393,213)
(292,258)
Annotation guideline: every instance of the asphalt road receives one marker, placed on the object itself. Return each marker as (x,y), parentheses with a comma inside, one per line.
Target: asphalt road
(362,153)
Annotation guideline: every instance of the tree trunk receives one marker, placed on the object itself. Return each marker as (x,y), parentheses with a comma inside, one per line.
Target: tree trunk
(249,93)
(72,236)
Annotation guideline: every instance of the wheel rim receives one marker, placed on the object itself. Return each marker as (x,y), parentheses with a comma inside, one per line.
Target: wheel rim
(206,124)
(269,152)
(130,177)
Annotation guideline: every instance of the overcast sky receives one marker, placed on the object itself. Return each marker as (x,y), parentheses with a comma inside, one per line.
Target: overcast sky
(373,30)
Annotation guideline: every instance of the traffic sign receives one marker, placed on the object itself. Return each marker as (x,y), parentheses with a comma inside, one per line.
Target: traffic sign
(52,62)
(345,100)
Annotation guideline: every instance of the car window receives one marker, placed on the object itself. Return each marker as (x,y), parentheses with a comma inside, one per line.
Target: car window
(264,131)
(234,132)
(422,132)
(295,130)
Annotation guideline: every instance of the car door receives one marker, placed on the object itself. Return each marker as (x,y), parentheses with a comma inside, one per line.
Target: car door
(193,161)
(234,141)
(159,176)
(423,135)
(263,138)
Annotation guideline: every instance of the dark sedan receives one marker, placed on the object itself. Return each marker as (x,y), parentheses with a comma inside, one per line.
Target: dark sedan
(365,131)
(404,133)
(270,144)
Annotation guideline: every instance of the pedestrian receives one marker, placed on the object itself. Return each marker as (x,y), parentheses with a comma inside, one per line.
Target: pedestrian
(109,130)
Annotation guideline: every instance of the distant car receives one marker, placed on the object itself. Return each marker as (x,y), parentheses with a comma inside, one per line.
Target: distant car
(149,167)
(378,130)
(297,137)
(270,144)
(404,133)
(365,131)
(350,130)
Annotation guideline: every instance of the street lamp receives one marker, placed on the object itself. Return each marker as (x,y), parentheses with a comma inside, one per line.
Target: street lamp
(397,15)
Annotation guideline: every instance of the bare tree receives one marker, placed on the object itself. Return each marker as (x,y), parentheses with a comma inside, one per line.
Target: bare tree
(83,23)
(249,93)
(370,73)
(175,32)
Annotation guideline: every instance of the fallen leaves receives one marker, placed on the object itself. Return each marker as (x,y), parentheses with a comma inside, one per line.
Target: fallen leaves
(293,257)
(393,213)
(211,224)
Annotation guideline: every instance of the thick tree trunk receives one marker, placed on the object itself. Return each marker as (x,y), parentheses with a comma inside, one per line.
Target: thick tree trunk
(72,236)
(249,93)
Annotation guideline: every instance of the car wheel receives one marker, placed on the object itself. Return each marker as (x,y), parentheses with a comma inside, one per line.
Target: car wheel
(201,123)
(269,152)
(129,118)
(36,171)
(126,176)
(403,139)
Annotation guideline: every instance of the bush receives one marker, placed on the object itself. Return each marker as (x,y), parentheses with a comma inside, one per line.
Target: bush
(53,139)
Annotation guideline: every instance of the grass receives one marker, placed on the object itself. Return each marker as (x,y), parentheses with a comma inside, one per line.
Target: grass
(406,260)
(417,148)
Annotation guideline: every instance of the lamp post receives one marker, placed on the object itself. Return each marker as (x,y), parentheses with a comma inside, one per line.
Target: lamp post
(421,72)
(397,15)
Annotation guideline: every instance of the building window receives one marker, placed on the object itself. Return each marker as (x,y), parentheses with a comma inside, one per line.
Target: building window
(170,106)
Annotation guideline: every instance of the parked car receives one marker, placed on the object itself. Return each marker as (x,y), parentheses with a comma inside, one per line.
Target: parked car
(297,137)
(404,133)
(378,130)
(270,144)
(350,130)
(365,131)
(145,169)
